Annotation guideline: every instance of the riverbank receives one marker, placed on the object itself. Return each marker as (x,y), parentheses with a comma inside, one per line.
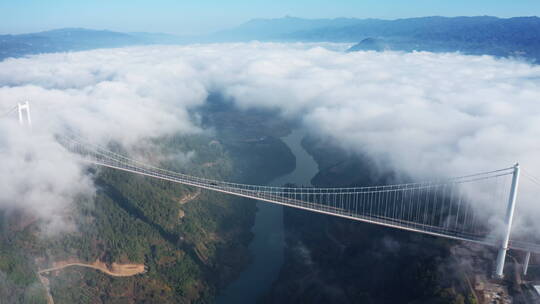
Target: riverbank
(268,244)
(333,260)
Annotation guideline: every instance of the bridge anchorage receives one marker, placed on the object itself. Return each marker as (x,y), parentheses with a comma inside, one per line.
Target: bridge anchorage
(441,208)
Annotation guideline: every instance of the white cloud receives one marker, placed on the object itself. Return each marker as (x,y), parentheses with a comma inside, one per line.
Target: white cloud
(422,114)
(39,176)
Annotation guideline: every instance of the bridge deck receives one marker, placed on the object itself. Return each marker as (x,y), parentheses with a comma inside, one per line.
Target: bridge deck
(279,198)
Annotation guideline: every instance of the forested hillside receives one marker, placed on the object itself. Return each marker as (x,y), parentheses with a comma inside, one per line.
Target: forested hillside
(191,242)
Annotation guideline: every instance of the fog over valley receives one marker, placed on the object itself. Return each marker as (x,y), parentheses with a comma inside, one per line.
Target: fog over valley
(420,115)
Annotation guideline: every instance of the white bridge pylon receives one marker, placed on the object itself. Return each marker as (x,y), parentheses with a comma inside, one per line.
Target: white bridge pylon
(24,108)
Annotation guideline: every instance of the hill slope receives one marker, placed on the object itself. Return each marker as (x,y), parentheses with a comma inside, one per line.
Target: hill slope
(75,39)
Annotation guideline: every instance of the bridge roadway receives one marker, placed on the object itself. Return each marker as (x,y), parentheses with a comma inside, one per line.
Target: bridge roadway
(277,196)
(418,207)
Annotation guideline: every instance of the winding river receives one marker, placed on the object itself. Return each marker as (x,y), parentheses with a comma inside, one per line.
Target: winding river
(268,243)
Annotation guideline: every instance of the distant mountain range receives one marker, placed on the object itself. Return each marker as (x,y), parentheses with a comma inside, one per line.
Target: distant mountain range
(75,39)
(281,29)
(518,36)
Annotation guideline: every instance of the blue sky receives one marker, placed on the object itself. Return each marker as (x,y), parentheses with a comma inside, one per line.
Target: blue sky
(192,17)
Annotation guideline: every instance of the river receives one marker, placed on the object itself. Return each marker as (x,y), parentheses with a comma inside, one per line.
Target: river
(268,243)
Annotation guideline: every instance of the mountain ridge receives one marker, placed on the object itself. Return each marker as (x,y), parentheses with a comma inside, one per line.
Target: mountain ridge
(504,37)
(76,39)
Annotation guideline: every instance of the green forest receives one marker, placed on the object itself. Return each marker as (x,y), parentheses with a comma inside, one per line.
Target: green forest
(190,248)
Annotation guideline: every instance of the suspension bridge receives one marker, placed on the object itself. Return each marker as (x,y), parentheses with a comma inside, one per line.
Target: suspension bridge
(443,208)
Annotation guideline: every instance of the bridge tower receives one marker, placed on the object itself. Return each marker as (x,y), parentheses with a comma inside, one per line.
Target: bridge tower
(508,221)
(24,107)
(526,263)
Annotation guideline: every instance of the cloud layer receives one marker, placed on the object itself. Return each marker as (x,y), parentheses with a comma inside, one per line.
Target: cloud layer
(423,115)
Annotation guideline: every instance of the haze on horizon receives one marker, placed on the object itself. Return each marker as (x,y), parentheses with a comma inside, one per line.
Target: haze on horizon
(209,15)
